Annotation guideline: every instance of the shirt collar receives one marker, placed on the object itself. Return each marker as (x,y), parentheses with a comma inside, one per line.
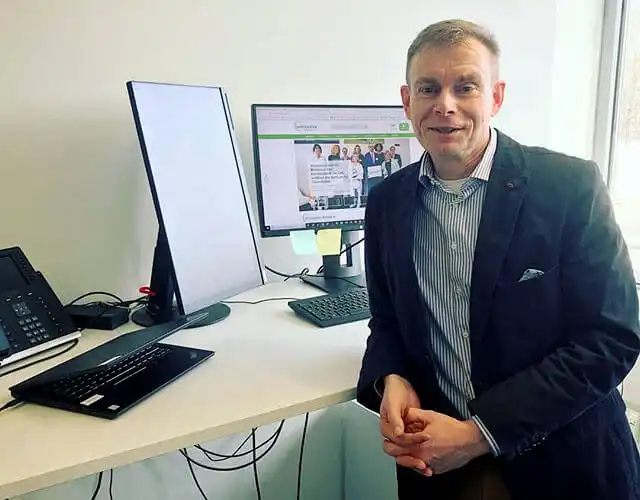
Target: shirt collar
(482,170)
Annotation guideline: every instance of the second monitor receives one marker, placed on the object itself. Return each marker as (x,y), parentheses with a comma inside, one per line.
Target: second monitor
(315,166)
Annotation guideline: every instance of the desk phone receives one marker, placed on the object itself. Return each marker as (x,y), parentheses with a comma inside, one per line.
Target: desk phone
(30,312)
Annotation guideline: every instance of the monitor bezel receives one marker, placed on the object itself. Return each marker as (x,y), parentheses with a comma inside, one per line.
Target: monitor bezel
(162,235)
(268,233)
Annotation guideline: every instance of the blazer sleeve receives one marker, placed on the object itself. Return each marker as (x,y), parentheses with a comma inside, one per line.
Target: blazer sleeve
(600,304)
(384,353)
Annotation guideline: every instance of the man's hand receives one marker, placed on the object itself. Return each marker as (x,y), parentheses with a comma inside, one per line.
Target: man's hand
(398,400)
(435,442)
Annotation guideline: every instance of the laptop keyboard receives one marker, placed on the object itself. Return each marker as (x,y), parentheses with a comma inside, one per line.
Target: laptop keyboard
(77,387)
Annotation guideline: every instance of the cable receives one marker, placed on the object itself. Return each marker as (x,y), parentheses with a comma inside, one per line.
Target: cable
(286,277)
(304,435)
(258,301)
(255,464)
(73,343)
(111,484)
(84,296)
(272,440)
(97,490)
(343,251)
(317,275)
(193,473)
(10,404)
(221,457)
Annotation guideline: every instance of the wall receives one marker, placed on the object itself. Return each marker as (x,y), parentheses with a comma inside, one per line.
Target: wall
(66,132)
(73,189)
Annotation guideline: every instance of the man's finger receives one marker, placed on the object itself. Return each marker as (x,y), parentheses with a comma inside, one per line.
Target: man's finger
(393,449)
(411,463)
(387,429)
(394,417)
(412,439)
(417,415)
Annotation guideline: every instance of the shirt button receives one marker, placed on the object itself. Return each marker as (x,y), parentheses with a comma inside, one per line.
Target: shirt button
(454,246)
(465,335)
(459,291)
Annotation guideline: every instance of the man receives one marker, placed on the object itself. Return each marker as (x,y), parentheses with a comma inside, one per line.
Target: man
(504,306)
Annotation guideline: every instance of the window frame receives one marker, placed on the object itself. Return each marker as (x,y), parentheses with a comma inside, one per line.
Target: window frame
(615,24)
(614,30)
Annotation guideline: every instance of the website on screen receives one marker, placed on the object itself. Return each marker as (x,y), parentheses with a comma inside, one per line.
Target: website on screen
(317,165)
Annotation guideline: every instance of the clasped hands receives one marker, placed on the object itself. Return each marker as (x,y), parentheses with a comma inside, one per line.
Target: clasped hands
(427,441)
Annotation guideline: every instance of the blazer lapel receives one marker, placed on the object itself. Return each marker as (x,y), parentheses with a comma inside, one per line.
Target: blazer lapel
(406,282)
(505,192)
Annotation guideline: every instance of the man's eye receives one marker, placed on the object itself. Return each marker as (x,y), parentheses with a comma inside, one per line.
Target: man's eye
(467,88)
(426,90)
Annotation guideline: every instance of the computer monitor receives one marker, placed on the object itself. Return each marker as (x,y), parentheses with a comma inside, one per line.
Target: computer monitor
(316,164)
(207,248)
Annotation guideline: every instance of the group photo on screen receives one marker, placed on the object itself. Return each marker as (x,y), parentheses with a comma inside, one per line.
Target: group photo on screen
(339,173)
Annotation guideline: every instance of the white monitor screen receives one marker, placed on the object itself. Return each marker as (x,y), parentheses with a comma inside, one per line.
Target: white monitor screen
(315,165)
(197,182)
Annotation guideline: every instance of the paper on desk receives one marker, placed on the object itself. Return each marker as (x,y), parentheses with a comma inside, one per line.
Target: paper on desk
(329,241)
(304,242)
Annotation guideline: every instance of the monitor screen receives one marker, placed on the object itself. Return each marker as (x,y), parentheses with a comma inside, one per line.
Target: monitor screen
(316,164)
(198,187)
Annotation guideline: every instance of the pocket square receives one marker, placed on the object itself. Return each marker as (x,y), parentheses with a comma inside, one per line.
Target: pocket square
(530,274)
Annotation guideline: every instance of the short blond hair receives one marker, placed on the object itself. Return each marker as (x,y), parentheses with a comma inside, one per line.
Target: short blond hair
(451,32)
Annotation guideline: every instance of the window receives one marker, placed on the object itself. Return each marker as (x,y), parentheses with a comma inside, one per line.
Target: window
(624,151)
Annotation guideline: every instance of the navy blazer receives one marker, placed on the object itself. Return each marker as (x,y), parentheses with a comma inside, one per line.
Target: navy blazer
(548,353)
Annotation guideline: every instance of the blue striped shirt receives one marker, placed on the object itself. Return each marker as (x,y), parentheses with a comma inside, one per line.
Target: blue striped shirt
(446,228)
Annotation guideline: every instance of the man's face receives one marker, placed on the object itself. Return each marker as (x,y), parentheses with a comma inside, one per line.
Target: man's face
(451,96)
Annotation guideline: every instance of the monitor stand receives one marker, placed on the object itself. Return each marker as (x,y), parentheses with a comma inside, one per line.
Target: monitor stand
(337,277)
(160,308)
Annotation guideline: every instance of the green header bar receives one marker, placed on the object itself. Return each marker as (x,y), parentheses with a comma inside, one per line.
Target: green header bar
(333,136)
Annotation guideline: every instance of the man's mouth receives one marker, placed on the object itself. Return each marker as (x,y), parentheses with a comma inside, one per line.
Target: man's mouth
(444,130)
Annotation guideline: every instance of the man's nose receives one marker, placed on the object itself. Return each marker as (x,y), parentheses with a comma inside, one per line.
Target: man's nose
(445,104)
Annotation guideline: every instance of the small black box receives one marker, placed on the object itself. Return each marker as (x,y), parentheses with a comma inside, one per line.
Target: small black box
(98,316)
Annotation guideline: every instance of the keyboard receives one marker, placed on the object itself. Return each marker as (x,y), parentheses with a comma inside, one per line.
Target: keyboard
(109,390)
(335,309)
(77,388)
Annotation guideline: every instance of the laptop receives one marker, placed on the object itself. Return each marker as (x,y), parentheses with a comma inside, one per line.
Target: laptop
(112,378)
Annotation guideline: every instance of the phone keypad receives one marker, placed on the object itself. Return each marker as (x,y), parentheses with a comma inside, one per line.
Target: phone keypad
(28,329)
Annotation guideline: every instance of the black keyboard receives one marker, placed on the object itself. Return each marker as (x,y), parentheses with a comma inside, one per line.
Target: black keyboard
(76,388)
(109,390)
(335,309)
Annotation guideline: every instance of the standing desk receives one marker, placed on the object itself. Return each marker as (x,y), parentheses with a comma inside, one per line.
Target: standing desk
(269,365)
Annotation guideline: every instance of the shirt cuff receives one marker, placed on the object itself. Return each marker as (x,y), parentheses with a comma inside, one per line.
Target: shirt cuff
(376,386)
(495,449)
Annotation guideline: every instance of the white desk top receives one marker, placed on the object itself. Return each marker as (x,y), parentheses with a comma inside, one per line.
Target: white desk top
(269,365)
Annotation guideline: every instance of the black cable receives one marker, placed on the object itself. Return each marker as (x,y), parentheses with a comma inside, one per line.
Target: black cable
(10,404)
(273,439)
(304,435)
(111,484)
(193,473)
(301,274)
(304,272)
(85,295)
(221,457)
(97,490)
(255,464)
(343,251)
(106,306)
(73,343)
(258,301)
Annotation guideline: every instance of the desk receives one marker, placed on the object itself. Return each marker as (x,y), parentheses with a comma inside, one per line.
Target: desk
(269,365)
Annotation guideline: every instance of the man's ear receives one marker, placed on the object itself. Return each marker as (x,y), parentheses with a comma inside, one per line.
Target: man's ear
(405,94)
(497,97)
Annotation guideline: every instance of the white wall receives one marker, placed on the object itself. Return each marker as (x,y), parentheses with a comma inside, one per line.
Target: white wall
(66,133)
(73,191)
